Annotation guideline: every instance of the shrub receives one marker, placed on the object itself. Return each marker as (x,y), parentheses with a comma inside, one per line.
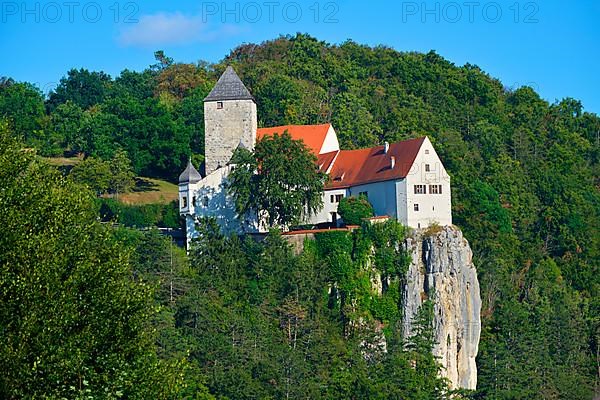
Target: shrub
(354,209)
(144,216)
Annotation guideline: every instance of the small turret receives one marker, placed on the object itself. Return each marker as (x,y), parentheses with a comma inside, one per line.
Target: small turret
(187,187)
(190,174)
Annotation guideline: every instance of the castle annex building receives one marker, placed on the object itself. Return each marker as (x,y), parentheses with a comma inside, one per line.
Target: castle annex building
(404,180)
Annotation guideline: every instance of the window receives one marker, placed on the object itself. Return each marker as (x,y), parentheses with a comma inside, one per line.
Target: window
(427,151)
(435,189)
(184,202)
(336,198)
(194,201)
(427,169)
(205,201)
(420,189)
(219,105)
(364,194)
(416,207)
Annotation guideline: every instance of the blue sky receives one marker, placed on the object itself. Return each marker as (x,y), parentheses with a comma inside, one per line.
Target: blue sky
(551,45)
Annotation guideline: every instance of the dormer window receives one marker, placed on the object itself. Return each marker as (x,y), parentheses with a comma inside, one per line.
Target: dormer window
(339,178)
(219,105)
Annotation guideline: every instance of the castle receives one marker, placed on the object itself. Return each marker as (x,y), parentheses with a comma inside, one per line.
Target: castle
(404,180)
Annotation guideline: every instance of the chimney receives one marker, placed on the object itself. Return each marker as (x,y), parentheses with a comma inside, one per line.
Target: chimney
(393,162)
(386,147)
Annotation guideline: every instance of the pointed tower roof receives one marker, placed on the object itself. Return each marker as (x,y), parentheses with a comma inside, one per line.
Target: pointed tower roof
(190,174)
(229,87)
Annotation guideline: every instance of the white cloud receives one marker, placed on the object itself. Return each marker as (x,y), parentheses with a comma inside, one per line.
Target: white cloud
(171,29)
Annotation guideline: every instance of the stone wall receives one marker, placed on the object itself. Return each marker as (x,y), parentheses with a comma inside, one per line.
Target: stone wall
(225,128)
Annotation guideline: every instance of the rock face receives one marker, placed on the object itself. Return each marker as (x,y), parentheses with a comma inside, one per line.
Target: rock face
(442,269)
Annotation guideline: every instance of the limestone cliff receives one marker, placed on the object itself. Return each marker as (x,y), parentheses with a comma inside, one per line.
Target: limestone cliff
(442,269)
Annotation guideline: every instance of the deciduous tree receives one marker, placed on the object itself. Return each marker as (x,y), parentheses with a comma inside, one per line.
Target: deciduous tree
(279,180)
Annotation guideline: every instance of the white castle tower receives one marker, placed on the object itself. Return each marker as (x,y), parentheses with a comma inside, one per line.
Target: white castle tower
(229,119)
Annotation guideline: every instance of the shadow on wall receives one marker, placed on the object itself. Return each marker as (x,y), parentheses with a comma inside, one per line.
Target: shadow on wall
(216,203)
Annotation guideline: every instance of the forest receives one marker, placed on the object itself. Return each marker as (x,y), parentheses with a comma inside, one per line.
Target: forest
(92,310)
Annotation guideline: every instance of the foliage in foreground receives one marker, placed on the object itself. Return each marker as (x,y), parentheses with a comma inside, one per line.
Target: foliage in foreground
(74,322)
(263,323)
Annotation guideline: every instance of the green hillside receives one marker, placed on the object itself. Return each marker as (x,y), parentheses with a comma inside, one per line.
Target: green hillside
(525,187)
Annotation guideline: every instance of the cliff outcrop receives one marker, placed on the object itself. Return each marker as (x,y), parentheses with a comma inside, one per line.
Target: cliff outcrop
(442,269)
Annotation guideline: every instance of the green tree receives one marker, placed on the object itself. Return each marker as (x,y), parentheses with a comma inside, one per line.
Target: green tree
(355,122)
(23,105)
(354,209)
(82,87)
(94,173)
(162,61)
(66,123)
(279,180)
(121,173)
(74,323)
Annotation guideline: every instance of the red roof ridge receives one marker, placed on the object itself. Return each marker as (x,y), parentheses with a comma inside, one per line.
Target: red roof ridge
(278,126)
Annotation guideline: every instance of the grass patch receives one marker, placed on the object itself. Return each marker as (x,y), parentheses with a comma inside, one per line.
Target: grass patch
(433,229)
(145,191)
(63,161)
(150,191)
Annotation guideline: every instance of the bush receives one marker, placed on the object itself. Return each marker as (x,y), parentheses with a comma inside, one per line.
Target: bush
(144,216)
(354,209)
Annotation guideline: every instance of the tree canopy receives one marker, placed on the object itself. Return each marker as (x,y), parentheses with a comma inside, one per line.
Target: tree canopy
(279,180)
(354,209)
(74,323)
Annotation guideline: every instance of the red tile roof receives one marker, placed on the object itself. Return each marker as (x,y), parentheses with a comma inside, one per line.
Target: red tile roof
(356,167)
(352,167)
(324,160)
(313,136)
